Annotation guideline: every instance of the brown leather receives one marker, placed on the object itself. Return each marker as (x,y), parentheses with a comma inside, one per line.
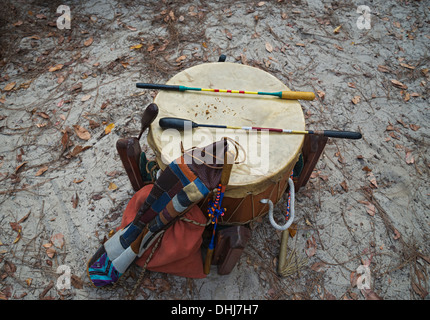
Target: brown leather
(230,244)
(129,152)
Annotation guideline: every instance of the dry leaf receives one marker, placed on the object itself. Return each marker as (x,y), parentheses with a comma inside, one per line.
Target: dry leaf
(77,180)
(336,30)
(269,47)
(409,158)
(76,150)
(370,209)
(414,127)
(56,68)
(292,230)
(373,179)
(398,84)
(51,252)
(367,169)
(356,99)
(109,128)
(300,44)
(75,200)
(28,281)
(82,132)
(228,34)
(17,237)
(9,86)
(344,186)
(47,245)
(181,58)
(261,3)
(321,94)
(137,46)
(65,139)
(41,171)
(338,47)
(86,97)
(58,240)
(396,234)
(20,166)
(112,186)
(311,247)
(88,42)
(407,66)
(384,69)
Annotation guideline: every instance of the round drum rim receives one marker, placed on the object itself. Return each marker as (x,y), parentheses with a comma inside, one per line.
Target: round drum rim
(278,106)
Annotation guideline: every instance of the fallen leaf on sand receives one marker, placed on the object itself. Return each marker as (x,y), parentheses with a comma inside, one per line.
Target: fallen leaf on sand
(336,30)
(311,247)
(344,186)
(88,42)
(269,47)
(51,252)
(58,240)
(41,171)
(398,84)
(137,46)
(321,94)
(109,128)
(9,86)
(414,127)
(86,97)
(372,179)
(82,132)
(370,209)
(56,68)
(112,186)
(397,234)
(181,58)
(409,158)
(75,201)
(20,166)
(356,99)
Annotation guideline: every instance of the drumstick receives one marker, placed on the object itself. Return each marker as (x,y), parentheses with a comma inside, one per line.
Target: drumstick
(289,95)
(148,117)
(178,123)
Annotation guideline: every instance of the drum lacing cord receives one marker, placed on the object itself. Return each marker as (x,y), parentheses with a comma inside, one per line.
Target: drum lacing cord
(290,208)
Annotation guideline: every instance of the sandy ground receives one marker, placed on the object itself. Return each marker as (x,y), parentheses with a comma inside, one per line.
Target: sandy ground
(367,202)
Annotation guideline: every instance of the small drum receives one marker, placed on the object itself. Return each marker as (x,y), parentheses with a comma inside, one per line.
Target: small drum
(266,160)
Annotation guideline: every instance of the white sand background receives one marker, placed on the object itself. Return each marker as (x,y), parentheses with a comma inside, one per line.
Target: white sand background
(366,203)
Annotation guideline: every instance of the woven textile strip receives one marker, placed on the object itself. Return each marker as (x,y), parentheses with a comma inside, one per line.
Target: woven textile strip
(178,188)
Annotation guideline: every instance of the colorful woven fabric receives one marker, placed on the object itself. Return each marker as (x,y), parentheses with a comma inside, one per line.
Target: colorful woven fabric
(178,188)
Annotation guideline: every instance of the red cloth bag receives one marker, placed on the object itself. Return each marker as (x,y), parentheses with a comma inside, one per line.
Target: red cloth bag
(179,251)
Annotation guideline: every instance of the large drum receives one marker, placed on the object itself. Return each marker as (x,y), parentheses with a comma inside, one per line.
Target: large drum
(266,159)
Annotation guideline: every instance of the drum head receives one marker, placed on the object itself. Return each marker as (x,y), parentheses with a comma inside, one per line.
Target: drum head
(265,156)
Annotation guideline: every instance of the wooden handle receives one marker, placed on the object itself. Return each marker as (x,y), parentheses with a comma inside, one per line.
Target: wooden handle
(208,261)
(298,95)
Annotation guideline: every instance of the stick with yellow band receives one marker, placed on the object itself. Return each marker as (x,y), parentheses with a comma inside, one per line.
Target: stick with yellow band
(288,95)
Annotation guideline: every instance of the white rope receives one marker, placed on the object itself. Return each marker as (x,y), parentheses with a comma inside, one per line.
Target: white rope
(290,220)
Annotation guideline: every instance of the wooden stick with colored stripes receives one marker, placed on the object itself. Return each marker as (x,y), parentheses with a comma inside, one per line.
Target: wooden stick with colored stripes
(181,124)
(288,95)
